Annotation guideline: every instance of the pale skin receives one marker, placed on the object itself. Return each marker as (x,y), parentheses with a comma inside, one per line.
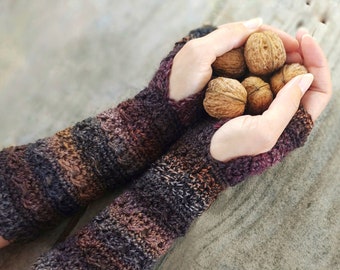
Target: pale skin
(192,70)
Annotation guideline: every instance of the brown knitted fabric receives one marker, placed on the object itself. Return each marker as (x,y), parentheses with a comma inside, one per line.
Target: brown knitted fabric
(142,223)
(42,182)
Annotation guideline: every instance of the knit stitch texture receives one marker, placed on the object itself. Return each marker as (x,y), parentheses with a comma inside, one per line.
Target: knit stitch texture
(44,181)
(142,223)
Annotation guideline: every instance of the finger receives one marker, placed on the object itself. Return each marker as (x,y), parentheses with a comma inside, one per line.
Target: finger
(286,103)
(230,36)
(317,98)
(289,42)
(313,54)
(300,33)
(294,57)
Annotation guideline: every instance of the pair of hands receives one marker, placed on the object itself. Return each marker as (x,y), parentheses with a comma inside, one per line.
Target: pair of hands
(192,70)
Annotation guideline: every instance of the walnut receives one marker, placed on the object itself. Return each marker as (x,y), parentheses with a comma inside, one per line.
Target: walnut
(264,52)
(284,75)
(259,95)
(225,98)
(231,64)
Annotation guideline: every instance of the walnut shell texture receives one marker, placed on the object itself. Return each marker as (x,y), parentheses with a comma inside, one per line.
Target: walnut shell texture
(264,52)
(231,64)
(284,75)
(225,98)
(259,95)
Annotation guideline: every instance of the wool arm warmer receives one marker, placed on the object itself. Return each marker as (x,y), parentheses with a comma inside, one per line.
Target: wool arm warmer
(142,223)
(44,181)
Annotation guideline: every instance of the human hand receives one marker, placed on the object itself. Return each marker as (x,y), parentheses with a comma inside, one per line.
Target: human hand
(191,69)
(252,135)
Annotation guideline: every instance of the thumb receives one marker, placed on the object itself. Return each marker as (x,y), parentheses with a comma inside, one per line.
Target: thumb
(287,102)
(231,35)
(252,135)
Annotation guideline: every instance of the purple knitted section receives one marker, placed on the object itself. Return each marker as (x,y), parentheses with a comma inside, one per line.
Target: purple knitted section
(142,223)
(42,182)
(294,136)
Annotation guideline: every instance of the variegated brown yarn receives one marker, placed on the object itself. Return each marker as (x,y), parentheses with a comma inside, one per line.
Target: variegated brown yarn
(140,225)
(42,182)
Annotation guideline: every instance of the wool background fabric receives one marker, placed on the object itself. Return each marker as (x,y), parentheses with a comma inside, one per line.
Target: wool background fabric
(64,61)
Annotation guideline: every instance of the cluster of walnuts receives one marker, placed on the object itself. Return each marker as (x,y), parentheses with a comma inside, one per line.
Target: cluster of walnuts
(247,79)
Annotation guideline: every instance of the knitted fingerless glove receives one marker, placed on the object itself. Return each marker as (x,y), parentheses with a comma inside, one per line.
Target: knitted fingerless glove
(142,223)
(52,178)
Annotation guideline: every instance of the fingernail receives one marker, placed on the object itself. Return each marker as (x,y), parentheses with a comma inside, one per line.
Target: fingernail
(253,23)
(308,35)
(303,29)
(305,82)
(302,81)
